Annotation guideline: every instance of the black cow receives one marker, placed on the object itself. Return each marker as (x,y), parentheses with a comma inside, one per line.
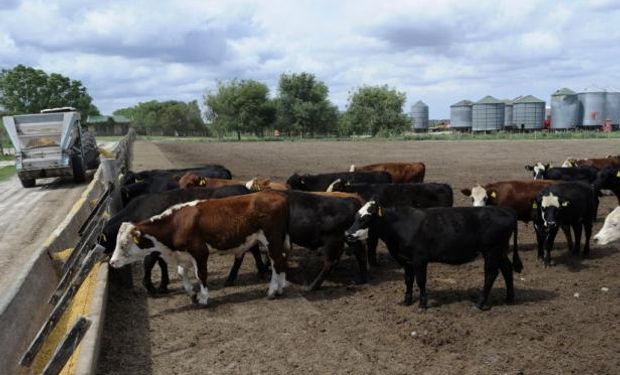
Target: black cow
(545,172)
(416,195)
(608,178)
(319,222)
(417,237)
(321,182)
(568,203)
(146,206)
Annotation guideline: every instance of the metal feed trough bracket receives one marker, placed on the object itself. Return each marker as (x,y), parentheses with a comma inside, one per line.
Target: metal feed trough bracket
(60,307)
(96,211)
(67,346)
(68,275)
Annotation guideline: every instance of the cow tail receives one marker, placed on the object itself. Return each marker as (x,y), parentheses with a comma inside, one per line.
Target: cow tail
(517,266)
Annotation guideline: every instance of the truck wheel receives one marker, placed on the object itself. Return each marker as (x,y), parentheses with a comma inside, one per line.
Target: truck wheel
(27,182)
(79,173)
(91,152)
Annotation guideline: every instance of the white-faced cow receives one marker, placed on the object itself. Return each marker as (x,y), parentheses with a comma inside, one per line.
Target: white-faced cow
(185,235)
(610,232)
(568,203)
(542,171)
(416,237)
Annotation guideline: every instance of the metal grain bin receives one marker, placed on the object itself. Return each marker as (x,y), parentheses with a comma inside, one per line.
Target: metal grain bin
(419,113)
(488,114)
(564,109)
(460,115)
(612,107)
(529,113)
(593,103)
(508,117)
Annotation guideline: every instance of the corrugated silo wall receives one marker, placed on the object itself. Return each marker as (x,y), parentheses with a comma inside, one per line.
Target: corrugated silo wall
(508,116)
(592,108)
(612,107)
(420,117)
(461,117)
(564,112)
(487,116)
(529,115)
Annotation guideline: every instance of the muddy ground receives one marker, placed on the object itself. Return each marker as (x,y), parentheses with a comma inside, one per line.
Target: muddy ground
(346,328)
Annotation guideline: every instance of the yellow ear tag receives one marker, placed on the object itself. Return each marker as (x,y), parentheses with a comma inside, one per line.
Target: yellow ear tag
(564,204)
(380,212)
(534,205)
(618,174)
(493,194)
(135,239)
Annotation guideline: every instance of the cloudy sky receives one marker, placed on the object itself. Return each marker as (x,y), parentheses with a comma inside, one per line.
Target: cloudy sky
(438,51)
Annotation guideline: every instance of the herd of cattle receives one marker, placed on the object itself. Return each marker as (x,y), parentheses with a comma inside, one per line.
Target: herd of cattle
(180,216)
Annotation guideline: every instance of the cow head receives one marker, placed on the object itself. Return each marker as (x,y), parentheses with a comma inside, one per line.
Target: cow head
(550,208)
(538,170)
(296,182)
(479,195)
(190,180)
(611,229)
(132,246)
(363,219)
(606,177)
(569,163)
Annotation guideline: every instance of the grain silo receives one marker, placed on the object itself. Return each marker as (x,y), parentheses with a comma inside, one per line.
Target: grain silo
(488,114)
(593,103)
(564,109)
(508,116)
(460,115)
(419,113)
(612,107)
(529,113)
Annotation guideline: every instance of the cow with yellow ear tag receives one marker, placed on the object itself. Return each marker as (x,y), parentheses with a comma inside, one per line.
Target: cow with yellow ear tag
(567,204)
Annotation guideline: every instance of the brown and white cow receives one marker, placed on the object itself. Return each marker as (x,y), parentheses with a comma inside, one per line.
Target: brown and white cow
(190,179)
(401,172)
(599,163)
(186,233)
(260,184)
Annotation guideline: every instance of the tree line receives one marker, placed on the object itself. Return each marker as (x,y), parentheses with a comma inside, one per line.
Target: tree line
(300,107)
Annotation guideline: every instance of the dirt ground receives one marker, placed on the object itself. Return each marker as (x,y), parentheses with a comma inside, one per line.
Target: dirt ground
(346,328)
(27,218)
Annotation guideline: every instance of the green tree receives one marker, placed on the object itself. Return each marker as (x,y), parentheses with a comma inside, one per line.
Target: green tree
(169,117)
(240,107)
(303,106)
(374,109)
(27,90)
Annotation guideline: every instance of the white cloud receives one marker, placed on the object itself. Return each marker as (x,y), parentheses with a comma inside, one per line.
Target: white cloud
(126,52)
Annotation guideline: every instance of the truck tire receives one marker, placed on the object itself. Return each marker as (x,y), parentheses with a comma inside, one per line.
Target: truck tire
(79,172)
(27,182)
(91,152)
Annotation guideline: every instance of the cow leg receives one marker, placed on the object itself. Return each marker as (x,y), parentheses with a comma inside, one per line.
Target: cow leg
(409,276)
(234,270)
(361,255)
(149,263)
(540,239)
(569,237)
(506,268)
(587,226)
(277,253)
(187,284)
(420,278)
(371,243)
(333,250)
(261,267)
(577,229)
(200,265)
(491,269)
(549,245)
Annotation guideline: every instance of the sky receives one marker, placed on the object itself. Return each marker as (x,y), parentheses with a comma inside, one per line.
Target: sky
(439,51)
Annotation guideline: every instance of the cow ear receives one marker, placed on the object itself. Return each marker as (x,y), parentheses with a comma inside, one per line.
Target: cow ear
(565,204)
(466,192)
(380,211)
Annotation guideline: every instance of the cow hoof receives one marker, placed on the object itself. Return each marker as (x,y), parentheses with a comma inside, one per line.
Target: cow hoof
(407,301)
(229,283)
(510,300)
(163,290)
(194,298)
(483,307)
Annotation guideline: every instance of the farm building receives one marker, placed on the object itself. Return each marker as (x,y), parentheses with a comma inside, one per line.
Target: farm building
(108,125)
